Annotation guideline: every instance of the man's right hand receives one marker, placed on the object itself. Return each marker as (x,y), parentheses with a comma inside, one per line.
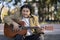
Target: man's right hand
(15,26)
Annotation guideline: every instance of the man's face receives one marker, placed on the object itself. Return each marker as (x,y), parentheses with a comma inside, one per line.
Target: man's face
(25,12)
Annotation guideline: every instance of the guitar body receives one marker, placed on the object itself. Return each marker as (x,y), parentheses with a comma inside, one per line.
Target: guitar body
(8,30)
(9,33)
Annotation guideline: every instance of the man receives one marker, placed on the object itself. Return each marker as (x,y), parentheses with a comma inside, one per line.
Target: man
(29,19)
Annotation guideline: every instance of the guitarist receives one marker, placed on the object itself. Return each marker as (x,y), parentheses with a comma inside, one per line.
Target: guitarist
(30,20)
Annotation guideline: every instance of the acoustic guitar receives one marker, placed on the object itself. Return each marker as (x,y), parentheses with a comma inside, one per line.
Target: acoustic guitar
(9,32)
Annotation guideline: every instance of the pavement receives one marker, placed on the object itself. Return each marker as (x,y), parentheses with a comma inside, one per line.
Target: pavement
(49,35)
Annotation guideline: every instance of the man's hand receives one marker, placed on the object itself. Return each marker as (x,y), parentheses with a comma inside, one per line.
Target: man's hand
(15,26)
(40,30)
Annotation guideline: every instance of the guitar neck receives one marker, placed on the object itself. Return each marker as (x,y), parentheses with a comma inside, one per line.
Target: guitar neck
(46,28)
(29,28)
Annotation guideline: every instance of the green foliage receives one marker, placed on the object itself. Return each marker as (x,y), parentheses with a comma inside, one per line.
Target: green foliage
(57,15)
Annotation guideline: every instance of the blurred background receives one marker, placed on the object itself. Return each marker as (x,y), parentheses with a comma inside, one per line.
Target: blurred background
(47,10)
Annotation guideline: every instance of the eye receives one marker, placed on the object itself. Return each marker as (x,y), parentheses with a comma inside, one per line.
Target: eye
(23,10)
(27,11)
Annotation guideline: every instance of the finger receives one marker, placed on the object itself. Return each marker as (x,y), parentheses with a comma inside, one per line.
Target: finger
(17,29)
(14,30)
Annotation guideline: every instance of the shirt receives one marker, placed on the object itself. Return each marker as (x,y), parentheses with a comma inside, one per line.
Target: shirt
(26,20)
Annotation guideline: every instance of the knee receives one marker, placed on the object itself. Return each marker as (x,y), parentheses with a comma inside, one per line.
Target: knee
(18,36)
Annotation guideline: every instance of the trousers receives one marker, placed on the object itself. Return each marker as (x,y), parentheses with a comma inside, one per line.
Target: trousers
(31,37)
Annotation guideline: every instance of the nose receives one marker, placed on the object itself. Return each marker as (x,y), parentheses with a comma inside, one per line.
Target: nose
(25,12)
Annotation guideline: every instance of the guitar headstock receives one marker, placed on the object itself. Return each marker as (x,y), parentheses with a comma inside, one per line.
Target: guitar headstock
(49,28)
